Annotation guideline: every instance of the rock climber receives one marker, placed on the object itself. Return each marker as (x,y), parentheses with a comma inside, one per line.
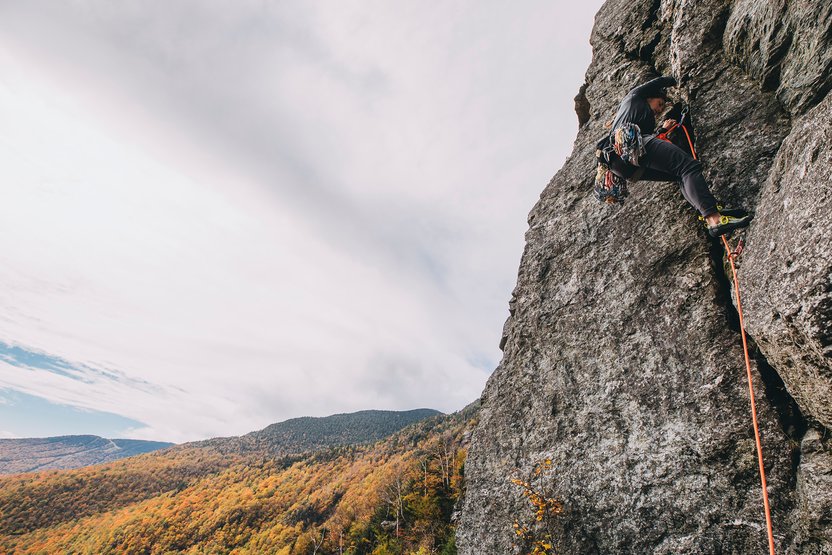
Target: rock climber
(664,161)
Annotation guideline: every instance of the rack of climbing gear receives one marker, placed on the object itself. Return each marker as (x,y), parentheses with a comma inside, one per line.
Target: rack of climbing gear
(628,143)
(609,187)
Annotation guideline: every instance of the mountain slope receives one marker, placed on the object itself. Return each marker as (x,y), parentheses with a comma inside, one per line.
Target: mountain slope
(52,497)
(622,361)
(54,453)
(300,435)
(391,497)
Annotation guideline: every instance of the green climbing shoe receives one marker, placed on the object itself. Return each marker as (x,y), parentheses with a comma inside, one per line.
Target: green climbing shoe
(728,223)
(734,212)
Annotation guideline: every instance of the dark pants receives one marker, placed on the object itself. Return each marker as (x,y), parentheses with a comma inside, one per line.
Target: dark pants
(664,161)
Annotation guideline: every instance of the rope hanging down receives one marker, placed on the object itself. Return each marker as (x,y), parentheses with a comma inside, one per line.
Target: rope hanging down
(732,255)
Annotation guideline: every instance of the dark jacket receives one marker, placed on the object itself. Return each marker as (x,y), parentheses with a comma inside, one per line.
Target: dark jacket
(634,107)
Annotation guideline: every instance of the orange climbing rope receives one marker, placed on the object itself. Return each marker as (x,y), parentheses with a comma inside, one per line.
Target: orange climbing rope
(731,256)
(692,150)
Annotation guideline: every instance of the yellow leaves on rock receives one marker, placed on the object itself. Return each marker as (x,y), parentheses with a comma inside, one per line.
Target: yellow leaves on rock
(535,535)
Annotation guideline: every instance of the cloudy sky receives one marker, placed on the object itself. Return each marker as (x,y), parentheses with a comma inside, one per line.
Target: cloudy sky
(219,215)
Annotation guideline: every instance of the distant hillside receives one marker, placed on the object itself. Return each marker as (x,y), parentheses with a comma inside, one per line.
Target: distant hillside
(393,497)
(291,437)
(55,453)
(301,435)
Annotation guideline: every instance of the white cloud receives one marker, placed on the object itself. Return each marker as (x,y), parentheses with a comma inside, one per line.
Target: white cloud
(275,210)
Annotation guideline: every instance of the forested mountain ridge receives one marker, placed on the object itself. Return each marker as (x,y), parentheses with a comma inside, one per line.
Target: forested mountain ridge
(293,436)
(395,496)
(299,435)
(64,452)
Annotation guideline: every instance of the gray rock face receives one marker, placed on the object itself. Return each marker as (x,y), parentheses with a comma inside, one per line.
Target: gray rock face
(813,516)
(785,46)
(622,356)
(788,270)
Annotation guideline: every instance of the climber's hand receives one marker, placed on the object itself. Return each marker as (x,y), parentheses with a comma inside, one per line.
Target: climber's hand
(668,123)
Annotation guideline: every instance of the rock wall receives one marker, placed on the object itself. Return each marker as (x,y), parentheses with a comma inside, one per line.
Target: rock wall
(622,356)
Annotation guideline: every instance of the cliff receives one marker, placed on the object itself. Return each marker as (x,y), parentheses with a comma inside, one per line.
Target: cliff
(622,361)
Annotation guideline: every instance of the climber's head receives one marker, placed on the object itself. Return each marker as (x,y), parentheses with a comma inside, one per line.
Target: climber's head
(657,104)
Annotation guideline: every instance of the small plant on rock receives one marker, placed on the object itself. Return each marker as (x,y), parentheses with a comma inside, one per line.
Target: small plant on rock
(534,535)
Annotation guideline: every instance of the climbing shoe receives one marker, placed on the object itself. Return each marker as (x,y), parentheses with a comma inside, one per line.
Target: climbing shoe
(728,223)
(723,211)
(732,212)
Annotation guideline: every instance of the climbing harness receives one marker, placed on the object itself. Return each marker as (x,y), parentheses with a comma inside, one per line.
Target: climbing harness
(732,257)
(665,135)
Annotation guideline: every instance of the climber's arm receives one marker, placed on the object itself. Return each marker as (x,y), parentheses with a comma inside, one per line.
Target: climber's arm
(652,89)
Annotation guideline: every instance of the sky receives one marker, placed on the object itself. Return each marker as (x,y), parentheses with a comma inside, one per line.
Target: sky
(220,215)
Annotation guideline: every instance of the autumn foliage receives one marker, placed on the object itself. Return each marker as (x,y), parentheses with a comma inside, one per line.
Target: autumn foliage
(394,497)
(535,535)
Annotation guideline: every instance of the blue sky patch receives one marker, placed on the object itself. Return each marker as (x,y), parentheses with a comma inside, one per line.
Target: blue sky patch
(23,358)
(17,356)
(24,415)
